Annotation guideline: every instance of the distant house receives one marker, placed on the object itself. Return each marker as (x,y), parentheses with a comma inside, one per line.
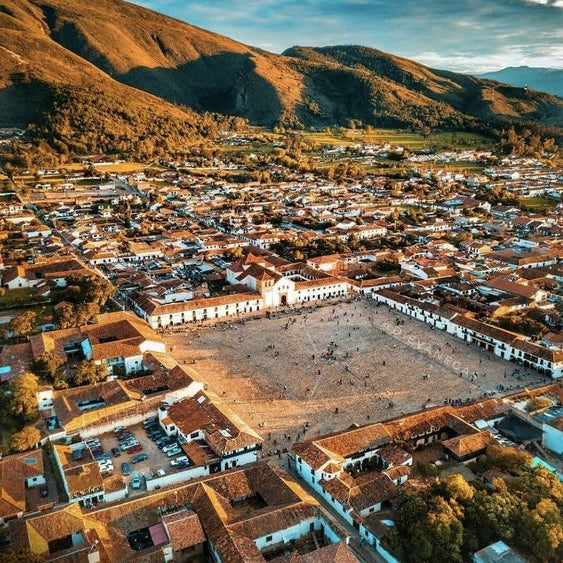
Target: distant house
(118,340)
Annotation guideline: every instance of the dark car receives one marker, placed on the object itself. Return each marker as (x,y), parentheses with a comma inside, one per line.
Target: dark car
(139,457)
(116,452)
(164,443)
(134,449)
(125,468)
(150,421)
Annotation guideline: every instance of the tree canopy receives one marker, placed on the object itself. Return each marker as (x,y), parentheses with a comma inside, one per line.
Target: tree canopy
(452,519)
(89,372)
(23,390)
(24,324)
(25,439)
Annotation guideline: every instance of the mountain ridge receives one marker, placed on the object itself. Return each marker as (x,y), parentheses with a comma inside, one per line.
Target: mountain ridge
(170,68)
(548,80)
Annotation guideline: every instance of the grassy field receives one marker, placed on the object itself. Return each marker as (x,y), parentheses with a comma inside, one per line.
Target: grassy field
(19,296)
(539,204)
(414,141)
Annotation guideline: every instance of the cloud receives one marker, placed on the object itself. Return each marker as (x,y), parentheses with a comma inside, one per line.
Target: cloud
(464,34)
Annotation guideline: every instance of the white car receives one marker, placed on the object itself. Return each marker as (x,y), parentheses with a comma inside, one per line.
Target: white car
(181,460)
(175,451)
(166,449)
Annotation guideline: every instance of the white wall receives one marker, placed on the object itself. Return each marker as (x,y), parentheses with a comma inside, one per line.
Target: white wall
(126,421)
(177,477)
(553,439)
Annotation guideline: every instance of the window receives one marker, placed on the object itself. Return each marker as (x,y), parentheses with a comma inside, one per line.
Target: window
(268,538)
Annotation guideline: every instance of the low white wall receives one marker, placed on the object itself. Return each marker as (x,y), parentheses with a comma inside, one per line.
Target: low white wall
(126,421)
(179,477)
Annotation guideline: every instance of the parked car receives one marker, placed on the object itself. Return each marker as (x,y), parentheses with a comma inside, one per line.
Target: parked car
(126,436)
(160,473)
(181,460)
(119,429)
(125,469)
(139,457)
(136,481)
(173,452)
(94,443)
(149,421)
(169,447)
(134,449)
(127,445)
(164,441)
(116,452)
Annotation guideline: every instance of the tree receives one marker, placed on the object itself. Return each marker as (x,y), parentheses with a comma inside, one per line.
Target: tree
(458,488)
(507,459)
(538,403)
(23,390)
(542,531)
(64,315)
(25,439)
(92,289)
(86,313)
(427,529)
(24,324)
(533,486)
(89,372)
(47,365)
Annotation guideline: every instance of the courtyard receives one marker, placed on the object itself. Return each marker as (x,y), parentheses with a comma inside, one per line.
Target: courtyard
(314,370)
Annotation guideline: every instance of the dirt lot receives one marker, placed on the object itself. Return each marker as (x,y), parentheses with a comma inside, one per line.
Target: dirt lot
(335,365)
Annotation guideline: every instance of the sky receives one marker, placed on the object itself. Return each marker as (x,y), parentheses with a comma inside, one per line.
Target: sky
(471,36)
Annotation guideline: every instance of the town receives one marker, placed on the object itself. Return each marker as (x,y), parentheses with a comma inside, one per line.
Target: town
(266,350)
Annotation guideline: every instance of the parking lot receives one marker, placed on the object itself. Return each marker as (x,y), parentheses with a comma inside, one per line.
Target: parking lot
(156,461)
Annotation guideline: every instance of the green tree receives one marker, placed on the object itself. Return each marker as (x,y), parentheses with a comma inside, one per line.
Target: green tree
(542,531)
(533,486)
(25,439)
(507,459)
(427,528)
(47,365)
(24,324)
(23,394)
(538,403)
(89,372)
(86,313)
(92,289)
(458,488)
(64,315)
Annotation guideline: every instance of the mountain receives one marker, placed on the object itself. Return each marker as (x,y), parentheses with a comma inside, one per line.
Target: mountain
(544,79)
(99,75)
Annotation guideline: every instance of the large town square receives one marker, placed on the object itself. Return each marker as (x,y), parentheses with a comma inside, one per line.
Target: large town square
(324,368)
